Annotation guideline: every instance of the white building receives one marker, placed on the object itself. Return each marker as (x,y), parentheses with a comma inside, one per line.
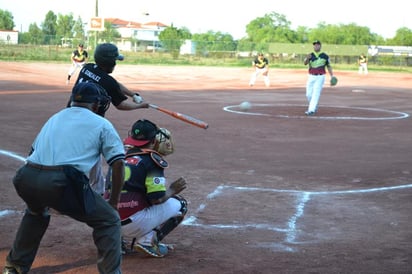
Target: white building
(9,37)
(137,36)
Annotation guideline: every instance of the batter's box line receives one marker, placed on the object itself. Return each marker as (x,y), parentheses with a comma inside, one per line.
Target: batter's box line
(302,198)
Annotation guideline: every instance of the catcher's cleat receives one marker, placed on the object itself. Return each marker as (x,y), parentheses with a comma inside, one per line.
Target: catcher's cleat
(158,251)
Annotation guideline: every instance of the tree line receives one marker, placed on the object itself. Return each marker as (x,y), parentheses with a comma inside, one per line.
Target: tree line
(270,28)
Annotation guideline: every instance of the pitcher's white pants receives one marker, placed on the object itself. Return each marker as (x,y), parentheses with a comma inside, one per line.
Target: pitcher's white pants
(314,87)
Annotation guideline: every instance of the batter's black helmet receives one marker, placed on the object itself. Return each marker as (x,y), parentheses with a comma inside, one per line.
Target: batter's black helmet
(90,92)
(106,54)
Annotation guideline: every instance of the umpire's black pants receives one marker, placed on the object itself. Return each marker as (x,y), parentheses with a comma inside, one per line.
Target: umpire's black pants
(43,188)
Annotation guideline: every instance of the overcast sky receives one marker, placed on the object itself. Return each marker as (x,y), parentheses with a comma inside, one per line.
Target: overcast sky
(228,16)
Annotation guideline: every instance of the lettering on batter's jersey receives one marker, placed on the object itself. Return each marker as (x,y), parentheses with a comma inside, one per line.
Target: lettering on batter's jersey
(91,75)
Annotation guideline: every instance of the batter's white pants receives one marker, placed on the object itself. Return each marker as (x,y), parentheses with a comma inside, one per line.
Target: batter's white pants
(314,87)
(144,221)
(257,72)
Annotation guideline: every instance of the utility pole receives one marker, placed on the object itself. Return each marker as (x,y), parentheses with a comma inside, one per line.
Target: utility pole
(96,13)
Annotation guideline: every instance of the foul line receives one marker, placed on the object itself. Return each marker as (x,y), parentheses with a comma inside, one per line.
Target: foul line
(396,114)
(302,198)
(17,157)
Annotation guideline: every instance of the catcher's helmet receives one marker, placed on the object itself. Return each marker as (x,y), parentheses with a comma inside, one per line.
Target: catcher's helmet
(106,54)
(143,131)
(90,92)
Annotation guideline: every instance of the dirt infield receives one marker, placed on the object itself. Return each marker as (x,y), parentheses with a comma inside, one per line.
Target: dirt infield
(270,190)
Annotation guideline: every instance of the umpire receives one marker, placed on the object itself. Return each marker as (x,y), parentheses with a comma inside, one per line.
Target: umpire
(67,147)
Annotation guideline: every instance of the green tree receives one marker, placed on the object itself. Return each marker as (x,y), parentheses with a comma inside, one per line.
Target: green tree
(173,38)
(302,34)
(109,34)
(214,41)
(49,28)
(403,37)
(78,29)
(35,35)
(64,28)
(341,34)
(272,27)
(6,20)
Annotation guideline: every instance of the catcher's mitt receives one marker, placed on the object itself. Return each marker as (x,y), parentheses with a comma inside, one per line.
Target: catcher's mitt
(333,81)
(164,142)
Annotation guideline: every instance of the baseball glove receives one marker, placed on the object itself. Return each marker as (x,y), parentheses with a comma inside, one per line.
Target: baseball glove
(333,81)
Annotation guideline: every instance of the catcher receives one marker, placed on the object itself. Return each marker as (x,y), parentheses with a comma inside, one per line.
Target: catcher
(79,58)
(149,210)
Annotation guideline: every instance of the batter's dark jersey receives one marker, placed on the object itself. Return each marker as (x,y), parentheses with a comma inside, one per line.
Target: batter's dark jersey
(91,72)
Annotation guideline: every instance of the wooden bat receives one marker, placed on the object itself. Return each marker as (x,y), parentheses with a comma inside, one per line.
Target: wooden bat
(183,117)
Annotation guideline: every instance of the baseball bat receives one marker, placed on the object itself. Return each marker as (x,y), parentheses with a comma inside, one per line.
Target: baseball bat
(183,117)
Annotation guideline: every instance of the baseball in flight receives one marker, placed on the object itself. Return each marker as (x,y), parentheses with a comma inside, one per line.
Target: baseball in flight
(245,105)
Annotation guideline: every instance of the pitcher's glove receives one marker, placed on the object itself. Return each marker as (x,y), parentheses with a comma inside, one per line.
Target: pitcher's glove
(333,81)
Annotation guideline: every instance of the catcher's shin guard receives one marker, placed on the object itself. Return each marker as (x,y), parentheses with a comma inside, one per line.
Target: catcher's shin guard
(172,223)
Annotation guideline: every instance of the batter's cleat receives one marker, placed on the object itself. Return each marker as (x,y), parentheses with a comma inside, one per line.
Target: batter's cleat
(10,270)
(157,251)
(309,113)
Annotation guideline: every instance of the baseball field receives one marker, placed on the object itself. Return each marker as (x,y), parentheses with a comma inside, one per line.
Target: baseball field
(270,190)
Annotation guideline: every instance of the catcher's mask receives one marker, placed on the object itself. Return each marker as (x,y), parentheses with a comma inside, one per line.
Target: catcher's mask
(164,142)
(106,54)
(90,92)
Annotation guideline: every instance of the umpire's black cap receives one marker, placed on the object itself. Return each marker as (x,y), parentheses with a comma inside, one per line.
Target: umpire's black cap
(316,42)
(89,92)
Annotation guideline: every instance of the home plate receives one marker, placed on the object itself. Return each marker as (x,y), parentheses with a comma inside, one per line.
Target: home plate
(358,90)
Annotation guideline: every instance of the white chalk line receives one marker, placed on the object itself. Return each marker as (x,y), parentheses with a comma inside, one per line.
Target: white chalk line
(396,114)
(291,232)
(13,155)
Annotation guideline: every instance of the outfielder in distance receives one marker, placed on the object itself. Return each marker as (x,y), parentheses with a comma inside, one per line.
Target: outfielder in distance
(317,62)
(148,207)
(79,58)
(261,66)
